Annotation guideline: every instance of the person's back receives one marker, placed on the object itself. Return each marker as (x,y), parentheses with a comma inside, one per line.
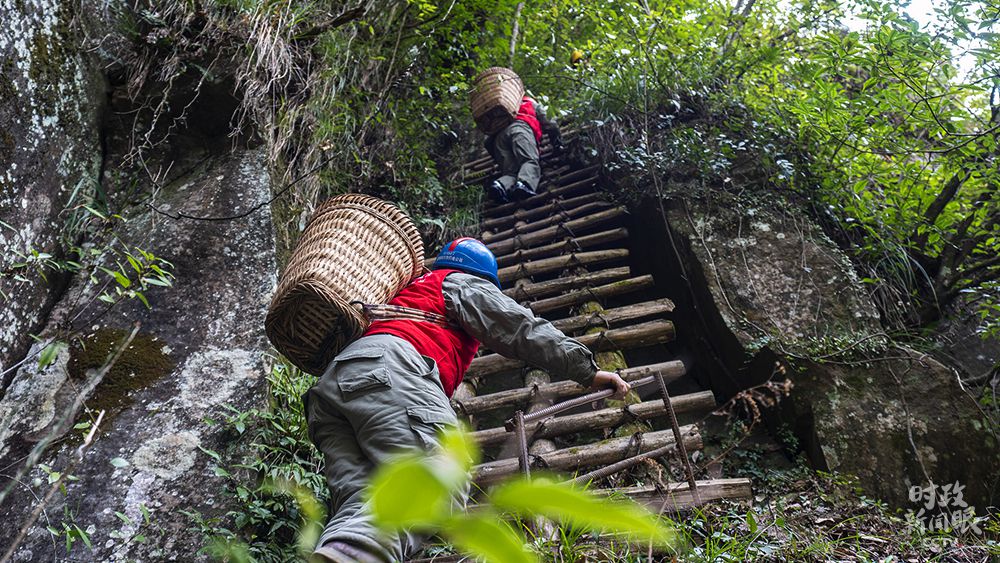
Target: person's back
(389,390)
(515,150)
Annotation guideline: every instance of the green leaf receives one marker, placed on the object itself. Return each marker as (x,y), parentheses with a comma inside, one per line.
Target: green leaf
(487,536)
(560,501)
(211,453)
(134,263)
(407,493)
(157,281)
(83,536)
(461,447)
(751,522)
(119,462)
(123,518)
(49,354)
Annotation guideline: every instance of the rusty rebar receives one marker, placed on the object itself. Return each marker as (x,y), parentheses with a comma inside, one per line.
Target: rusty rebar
(581,400)
(621,465)
(679,440)
(522,441)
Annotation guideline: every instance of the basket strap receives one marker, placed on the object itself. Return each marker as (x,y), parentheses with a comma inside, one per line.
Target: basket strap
(398,313)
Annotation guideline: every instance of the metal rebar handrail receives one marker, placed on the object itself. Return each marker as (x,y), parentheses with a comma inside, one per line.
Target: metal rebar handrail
(575,402)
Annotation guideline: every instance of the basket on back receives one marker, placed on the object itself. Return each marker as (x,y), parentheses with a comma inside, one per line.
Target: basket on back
(495,98)
(355,248)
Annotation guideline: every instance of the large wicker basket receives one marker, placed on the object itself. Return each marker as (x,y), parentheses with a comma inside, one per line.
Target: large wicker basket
(495,98)
(355,248)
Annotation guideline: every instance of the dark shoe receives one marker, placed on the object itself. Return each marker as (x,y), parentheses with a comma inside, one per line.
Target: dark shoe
(497,192)
(340,552)
(521,192)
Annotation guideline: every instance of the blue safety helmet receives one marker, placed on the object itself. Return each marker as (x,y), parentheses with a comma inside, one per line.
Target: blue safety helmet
(468,255)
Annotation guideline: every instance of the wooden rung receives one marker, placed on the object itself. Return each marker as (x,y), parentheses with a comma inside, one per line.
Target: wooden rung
(635,336)
(565,245)
(557,216)
(529,290)
(565,185)
(616,316)
(599,419)
(541,211)
(583,295)
(678,496)
(590,455)
(547,234)
(466,406)
(559,263)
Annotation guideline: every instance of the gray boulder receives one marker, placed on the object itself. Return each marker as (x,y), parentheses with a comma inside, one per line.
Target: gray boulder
(200,346)
(766,284)
(53,96)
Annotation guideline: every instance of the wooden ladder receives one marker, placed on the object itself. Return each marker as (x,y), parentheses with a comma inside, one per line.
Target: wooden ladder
(563,254)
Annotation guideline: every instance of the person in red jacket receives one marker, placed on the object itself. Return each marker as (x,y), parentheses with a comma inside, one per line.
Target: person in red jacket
(515,150)
(389,390)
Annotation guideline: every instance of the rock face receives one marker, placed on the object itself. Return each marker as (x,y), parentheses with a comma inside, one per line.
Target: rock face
(200,346)
(766,285)
(52,93)
(897,422)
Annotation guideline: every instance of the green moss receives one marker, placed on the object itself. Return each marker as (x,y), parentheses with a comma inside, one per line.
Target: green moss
(49,54)
(140,365)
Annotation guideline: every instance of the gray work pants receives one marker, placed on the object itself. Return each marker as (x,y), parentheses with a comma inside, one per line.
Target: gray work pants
(516,151)
(378,397)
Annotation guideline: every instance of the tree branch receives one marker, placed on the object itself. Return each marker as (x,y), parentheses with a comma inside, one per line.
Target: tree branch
(513,33)
(919,239)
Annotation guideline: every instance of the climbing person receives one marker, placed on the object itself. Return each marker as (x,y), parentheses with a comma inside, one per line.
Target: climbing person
(515,149)
(389,390)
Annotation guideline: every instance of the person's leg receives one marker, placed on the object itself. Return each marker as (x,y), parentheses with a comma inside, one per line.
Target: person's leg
(525,150)
(345,467)
(393,401)
(507,160)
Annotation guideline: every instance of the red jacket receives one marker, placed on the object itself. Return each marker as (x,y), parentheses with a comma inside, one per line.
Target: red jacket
(451,348)
(526,113)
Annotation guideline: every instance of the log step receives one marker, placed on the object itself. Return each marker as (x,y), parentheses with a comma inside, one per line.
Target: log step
(591,293)
(559,263)
(568,228)
(530,290)
(557,216)
(566,185)
(635,336)
(590,455)
(466,406)
(678,497)
(554,249)
(565,245)
(599,419)
(554,206)
(616,316)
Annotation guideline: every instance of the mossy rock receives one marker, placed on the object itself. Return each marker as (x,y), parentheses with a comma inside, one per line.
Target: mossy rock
(142,363)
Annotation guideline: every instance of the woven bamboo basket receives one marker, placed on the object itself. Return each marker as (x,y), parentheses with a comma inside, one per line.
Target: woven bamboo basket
(495,98)
(354,248)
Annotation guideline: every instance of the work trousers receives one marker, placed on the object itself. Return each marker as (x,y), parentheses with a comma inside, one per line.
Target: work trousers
(378,397)
(516,151)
